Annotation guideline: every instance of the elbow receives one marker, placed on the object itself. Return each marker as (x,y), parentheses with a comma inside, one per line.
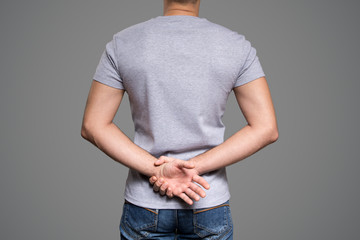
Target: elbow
(268,133)
(83,133)
(86,131)
(272,134)
(90,130)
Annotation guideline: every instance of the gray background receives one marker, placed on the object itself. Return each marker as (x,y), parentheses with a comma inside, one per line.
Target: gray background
(55,185)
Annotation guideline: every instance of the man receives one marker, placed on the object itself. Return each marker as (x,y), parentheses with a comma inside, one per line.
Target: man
(178,71)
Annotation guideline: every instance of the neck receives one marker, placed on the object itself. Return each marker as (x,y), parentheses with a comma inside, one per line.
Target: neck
(174,8)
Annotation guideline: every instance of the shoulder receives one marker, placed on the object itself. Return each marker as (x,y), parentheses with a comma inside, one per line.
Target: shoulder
(224,32)
(131,32)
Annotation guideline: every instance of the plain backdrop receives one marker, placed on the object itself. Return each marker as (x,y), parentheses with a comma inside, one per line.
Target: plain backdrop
(57,186)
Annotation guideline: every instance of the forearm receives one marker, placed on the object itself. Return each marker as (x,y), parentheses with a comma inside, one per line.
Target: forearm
(242,144)
(114,143)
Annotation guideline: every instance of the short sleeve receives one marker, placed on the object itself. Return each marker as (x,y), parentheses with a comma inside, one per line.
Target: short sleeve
(107,71)
(251,68)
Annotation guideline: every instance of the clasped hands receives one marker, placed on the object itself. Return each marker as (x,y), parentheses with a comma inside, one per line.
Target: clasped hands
(178,178)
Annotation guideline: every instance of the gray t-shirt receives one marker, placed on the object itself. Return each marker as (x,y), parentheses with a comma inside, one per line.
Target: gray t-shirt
(178,72)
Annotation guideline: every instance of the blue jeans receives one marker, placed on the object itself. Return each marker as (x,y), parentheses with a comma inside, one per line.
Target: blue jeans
(148,223)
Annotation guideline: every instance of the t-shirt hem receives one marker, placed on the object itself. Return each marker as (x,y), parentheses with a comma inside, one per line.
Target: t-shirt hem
(109,83)
(240,83)
(175,205)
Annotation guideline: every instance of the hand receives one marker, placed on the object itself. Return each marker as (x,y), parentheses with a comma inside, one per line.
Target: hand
(176,178)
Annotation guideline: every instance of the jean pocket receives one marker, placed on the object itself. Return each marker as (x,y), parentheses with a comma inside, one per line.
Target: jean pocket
(138,222)
(213,222)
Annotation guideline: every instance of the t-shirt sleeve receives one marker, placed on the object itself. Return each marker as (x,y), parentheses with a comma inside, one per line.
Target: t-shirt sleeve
(251,68)
(107,71)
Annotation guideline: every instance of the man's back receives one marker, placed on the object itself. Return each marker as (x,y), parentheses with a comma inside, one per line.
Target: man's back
(178,72)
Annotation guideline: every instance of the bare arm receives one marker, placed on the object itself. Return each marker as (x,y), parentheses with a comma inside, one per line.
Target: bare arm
(255,102)
(98,128)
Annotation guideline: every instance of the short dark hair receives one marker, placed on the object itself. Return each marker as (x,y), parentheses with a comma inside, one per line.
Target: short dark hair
(185,1)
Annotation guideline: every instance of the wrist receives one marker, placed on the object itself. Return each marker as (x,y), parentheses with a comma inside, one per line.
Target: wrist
(155,171)
(196,164)
(158,171)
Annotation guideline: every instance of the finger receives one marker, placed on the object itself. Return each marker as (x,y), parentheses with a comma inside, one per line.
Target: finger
(163,188)
(201,181)
(156,188)
(192,194)
(158,184)
(198,190)
(189,165)
(184,164)
(152,180)
(162,160)
(186,199)
(169,192)
(159,161)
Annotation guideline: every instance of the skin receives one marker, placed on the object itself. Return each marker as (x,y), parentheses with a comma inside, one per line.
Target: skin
(179,180)
(174,8)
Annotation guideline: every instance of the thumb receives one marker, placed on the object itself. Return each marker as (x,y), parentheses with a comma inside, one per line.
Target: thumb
(161,160)
(185,164)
